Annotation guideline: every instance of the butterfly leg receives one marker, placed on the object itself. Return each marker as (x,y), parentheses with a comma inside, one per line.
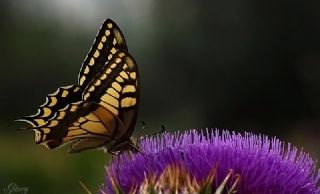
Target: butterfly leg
(134,148)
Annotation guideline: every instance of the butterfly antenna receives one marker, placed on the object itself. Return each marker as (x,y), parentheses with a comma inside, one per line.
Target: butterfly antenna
(163,129)
(85,187)
(143,125)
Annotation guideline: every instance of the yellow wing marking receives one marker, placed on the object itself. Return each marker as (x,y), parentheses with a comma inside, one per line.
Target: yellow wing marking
(103,77)
(37,135)
(110,108)
(86,70)
(118,60)
(113,65)
(133,75)
(53,101)
(108,71)
(96,54)
(97,82)
(77,124)
(107,118)
(86,96)
(82,79)
(91,61)
(91,89)
(46,130)
(107,33)
(124,75)
(82,119)
(61,115)
(74,108)
(73,128)
(113,50)
(46,112)
(103,39)
(64,93)
(122,54)
(116,86)
(94,127)
(39,122)
(92,117)
(130,63)
(128,102)
(53,123)
(113,92)
(119,79)
(100,46)
(128,89)
(76,132)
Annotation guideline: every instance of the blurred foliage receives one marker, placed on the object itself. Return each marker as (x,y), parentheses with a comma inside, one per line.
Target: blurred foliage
(241,65)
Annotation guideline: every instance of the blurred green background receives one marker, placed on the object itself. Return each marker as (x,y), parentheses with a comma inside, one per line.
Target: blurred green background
(241,65)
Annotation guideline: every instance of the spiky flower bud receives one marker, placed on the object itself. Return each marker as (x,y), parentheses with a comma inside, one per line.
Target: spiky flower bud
(212,161)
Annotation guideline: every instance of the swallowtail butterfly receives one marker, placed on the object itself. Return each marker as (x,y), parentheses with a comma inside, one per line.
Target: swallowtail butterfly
(101,109)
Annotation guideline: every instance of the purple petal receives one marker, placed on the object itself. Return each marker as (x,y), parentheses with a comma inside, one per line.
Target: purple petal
(265,165)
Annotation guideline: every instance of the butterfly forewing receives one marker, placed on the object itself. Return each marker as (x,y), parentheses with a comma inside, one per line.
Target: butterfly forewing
(108,41)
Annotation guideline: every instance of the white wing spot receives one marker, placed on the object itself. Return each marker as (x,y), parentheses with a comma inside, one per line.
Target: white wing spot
(107,32)
(96,54)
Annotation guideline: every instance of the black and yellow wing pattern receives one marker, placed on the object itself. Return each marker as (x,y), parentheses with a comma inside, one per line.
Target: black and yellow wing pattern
(101,110)
(108,41)
(54,101)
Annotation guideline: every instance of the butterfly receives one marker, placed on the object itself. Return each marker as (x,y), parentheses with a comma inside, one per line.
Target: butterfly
(101,109)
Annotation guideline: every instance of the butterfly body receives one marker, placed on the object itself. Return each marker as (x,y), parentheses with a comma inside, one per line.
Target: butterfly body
(101,110)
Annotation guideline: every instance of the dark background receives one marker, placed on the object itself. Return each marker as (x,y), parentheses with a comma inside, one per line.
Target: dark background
(238,65)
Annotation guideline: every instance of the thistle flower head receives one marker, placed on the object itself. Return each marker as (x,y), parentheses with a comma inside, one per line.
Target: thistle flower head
(213,161)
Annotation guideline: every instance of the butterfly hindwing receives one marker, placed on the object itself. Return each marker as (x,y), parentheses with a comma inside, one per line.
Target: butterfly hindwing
(108,41)
(54,101)
(63,127)
(52,132)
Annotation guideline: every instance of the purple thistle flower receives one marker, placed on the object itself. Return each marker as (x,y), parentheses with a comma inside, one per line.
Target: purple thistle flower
(264,165)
